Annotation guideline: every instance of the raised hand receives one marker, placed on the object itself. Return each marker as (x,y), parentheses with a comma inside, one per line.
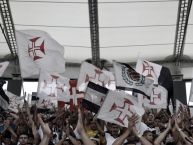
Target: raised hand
(132,120)
(67,128)
(176,124)
(45,127)
(169,126)
(80,127)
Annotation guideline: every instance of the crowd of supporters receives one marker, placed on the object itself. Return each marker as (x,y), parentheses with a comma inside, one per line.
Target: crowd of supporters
(32,126)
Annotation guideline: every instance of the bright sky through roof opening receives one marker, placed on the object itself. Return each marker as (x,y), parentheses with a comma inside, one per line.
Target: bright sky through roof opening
(188,87)
(30,87)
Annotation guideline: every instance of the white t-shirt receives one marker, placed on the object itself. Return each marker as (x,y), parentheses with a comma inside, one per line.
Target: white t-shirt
(110,139)
(143,127)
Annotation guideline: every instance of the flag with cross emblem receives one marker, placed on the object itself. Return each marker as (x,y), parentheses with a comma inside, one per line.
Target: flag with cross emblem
(163,84)
(149,69)
(75,97)
(52,87)
(118,106)
(128,79)
(89,72)
(158,98)
(38,50)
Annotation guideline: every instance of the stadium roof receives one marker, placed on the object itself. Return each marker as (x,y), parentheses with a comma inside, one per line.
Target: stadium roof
(128,29)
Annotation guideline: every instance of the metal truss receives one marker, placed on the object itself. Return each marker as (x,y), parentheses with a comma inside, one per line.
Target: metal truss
(181,28)
(8,26)
(94,31)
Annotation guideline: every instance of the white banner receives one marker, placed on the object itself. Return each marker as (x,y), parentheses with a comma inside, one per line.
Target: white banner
(53,86)
(89,72)
(118,106)
(38,50)
(127,77)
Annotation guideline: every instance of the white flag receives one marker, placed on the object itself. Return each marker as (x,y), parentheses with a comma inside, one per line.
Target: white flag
(149,69)
(94,97)
(38,50)
(89,72)
(111,83)
(3,67)
(127,78)
(158,98)
(118,106)
(53,87)
(14,101)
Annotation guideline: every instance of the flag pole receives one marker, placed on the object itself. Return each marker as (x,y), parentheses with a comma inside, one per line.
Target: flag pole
(22,88)
(138,55)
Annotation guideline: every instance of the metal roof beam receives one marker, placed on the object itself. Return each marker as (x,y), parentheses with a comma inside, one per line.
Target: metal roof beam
(181,28)
(8,28)
(94,31)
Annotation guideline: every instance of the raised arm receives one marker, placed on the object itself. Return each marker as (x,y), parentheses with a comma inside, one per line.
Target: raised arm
(120,140)
(162,135)
(80,128)
(7,127)
(46,131)
(62,139)
(143,140)
(72,139)
(185,138)
(35,134)
(100,126)
(29,114)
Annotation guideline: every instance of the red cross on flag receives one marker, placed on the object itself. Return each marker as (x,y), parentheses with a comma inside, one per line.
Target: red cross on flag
(118,106)
(89,72)
(149,69)
(53,86)
(38,50)
(3,67)
(75,96)
(159,95)
(158,98)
